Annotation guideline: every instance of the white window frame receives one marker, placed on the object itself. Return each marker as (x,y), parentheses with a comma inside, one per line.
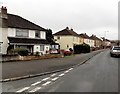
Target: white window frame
(22,30)
(43,48)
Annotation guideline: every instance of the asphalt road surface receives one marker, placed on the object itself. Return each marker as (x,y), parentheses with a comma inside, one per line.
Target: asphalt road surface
(99,74)
(23,68)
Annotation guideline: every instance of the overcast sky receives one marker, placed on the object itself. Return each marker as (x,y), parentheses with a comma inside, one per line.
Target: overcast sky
(84,16)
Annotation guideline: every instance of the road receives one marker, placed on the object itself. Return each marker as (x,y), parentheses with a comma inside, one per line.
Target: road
(99,74)
(33,67)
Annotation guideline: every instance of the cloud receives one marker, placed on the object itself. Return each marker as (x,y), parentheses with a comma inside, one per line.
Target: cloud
(78,14)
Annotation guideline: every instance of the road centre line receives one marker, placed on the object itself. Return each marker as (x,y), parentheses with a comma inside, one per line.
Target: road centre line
(21,90)
(61,74)
(70,69)
(36,89)
(54,78)
(45,79)
(48,82)
(53,74)
(66,71)
(36,83)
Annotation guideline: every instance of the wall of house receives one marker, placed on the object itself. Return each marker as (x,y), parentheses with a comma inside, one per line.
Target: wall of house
(65,42)
(89,42)
(37,48)
(43,34)
(31,34)
(76,40)
(81,40)
(1,40)
(4,40)
(11,32)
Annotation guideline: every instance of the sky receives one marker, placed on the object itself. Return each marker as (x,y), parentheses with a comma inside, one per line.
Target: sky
(98,17)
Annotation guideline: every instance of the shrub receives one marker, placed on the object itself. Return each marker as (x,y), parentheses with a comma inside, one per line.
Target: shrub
(37,53)
(20,51)
(83,48)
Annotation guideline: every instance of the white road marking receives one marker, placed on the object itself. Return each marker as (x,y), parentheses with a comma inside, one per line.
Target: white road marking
(55,78)
(36,89)
(62,74)
(21,90)
(70,69)
(45,79)
(53,74)
(67,71)
(36,83)
(48,82)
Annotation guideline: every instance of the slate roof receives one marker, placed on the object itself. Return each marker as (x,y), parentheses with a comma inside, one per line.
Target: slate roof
(15,21)
(66,31)
(84,36)
(95,38)
(27,40)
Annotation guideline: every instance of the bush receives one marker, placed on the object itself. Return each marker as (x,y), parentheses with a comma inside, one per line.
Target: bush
(83,48)
(37,53)
(20,51)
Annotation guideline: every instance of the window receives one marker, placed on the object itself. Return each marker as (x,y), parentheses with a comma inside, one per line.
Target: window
(41,47)
(0,48)
(43,36)
(37,34)
(21,33)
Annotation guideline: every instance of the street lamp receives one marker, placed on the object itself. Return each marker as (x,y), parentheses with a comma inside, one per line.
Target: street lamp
(105,33)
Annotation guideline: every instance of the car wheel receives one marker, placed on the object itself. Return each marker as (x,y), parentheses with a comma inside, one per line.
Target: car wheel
(111,55)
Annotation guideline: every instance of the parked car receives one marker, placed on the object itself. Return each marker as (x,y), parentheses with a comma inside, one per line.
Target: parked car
(66,52)
(115,51)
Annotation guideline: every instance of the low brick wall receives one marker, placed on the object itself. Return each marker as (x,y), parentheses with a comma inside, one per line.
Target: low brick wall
(48,56)
(9,57)
(5,58)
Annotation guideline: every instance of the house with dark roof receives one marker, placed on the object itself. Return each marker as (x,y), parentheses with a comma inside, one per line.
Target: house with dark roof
(97,41)
(66,38)
(17,32)
(106,42)
(84,38)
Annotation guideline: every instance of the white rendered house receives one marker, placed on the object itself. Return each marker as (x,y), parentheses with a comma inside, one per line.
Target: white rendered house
(17,32)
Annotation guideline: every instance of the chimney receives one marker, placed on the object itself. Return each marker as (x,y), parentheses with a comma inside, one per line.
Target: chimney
(3,16)
(71,29)
(4,12)
(67,28)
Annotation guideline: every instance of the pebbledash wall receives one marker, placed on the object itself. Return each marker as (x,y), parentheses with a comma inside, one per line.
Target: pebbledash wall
(11,32)
(67,42)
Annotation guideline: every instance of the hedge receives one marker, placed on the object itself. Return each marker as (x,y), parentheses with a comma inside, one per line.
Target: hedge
(83,48)
(20,51)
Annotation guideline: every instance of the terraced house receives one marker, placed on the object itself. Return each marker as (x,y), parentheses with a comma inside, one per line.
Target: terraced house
(67,38)
(17,32)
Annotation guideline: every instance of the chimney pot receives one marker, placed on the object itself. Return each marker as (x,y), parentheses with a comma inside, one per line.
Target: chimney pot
(67,27)
(4,10)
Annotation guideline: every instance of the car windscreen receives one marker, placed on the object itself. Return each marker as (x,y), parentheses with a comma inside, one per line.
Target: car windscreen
(116,48)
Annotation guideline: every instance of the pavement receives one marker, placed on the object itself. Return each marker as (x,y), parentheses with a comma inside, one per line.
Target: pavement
(25,69)
(99,74)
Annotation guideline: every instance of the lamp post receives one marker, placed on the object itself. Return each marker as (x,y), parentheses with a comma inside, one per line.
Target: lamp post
(105,33)
(105,38)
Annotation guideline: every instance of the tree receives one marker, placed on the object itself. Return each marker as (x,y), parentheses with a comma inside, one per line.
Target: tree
(49,36)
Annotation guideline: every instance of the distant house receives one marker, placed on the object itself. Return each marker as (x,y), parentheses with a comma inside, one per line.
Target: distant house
(17,32)
(86,39)
(106,42)
(97,41)
(66,38)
